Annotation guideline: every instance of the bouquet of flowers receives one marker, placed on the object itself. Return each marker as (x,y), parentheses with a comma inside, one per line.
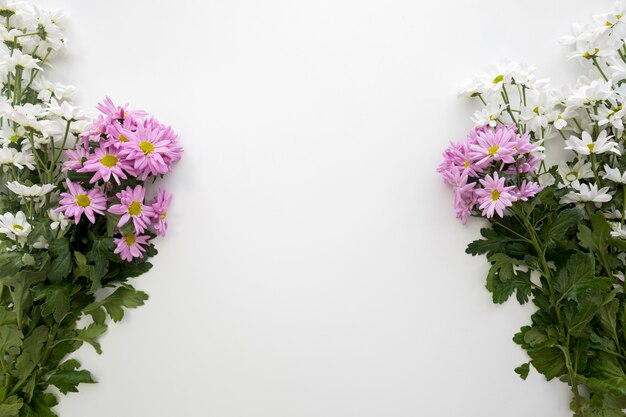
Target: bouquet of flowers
(556,235)
(78,215)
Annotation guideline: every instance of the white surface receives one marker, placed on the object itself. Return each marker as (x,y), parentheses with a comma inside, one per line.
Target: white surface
(314,267)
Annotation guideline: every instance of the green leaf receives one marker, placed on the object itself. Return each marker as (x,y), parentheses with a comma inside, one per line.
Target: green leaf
(57,301)
(10,264)
(11,407)
(67,377)
(503,280)
(579,315)
(578,276)
(10,336)
(61,265)
(523,370)
(82,269)
(90,333)
(557,229)
(124,296)
(604,406)
(31,352)
(548,361)
(596,238)
(607,375)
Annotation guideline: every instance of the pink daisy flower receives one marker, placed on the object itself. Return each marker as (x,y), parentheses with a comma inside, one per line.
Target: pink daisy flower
(152,148)
(494,145)
(76,158)
(78,202)
(527,190)
(458,154)
(132,207)
(130,246)
(160,206)
(105,163)
(115,112)
(464,205)
(494,196)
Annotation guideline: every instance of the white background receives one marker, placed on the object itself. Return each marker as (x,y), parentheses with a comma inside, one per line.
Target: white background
(313,267)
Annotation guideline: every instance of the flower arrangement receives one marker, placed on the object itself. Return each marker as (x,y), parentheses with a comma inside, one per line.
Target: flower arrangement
(556,235)
(78,215)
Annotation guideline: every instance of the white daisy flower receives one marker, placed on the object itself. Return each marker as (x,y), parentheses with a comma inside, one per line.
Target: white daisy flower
(585,145)
(571,175)
(15,227)
(30,191)
(587,193)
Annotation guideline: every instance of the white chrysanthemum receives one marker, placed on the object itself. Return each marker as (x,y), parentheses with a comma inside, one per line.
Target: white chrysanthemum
(587,193)
(15,227)
(59,221)
(27,115)
(487,116)
(571,175)
(12,157)
(65,110)
(30,191)
(614,175)
(47,90)
(618,230)
(585,145)
(21,60)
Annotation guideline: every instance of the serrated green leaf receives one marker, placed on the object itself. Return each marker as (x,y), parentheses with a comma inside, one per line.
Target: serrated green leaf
(578,276)
(565,221)
(523,370)
(31,352)
(124,296)
(548,361)
(61,265)
(11,407)
(67,377)
(607,375)
(90,333)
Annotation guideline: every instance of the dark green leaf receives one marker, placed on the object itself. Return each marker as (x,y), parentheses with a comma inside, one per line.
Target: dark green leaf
(61,264)
(67,377)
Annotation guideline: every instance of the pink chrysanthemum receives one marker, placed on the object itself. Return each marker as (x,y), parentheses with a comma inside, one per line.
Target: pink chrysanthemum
(527,190)
(106,163)
(76,158)
(79,201)
(494,196)
(494,145)
(458,155)
(160,206)
(115,112)
(152,148)
(464,204)
(130,246)
(132,207)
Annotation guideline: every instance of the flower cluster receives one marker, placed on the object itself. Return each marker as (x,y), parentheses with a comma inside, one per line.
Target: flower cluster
(78,214)
(493,168)
(117,154)
(559,237)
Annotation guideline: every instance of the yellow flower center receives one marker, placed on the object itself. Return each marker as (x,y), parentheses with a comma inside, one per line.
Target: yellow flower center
(146,147)
(82,200)
(495,195)
(135,208)
(590,146)
(123,138)
(466,164)
(498,79)
(493,150)
(130,239)
(536,110)
(14,138)
(163,215)
(18,227)
(109,161)
(572,176)
(591,55)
